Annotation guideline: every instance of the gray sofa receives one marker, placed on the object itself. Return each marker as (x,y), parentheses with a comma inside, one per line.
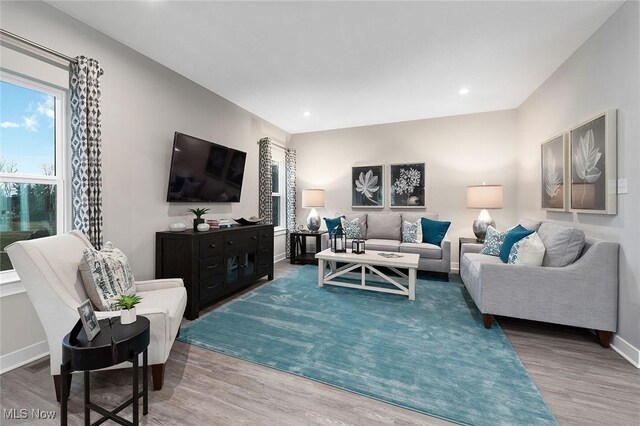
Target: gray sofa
(383,231)
(581,294)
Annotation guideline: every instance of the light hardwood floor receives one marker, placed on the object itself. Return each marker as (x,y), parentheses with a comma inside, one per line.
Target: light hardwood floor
(582,383)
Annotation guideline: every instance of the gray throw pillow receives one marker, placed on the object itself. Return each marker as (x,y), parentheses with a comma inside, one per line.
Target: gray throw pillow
(385,226)
(106,275)
(530,224)
(563,244)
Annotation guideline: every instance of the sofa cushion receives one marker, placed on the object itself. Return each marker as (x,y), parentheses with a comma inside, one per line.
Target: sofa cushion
(563,244)
(433,231)
(493,242)
(528,251)
(530,224)
(384,226)
(106,275)
(332,223)
(411,232)
(362,221)
(416,216)
(513,236)
(172,299)
(351,228)
(382,244)
(425,250)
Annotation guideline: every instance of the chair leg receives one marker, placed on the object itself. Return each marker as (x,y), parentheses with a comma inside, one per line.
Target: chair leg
(604,337)
(57,382)
(157,372)
(488,320)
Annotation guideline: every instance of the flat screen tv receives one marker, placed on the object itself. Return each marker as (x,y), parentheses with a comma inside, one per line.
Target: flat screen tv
(204,172)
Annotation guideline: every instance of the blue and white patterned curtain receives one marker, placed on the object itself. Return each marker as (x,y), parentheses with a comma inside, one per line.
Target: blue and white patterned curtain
(265,185)
(86,149)
(290,177)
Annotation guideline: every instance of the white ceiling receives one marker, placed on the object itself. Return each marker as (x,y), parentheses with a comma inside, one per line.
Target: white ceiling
(354,63)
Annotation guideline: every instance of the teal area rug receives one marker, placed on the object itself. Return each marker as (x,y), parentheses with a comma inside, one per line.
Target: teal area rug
(431,355)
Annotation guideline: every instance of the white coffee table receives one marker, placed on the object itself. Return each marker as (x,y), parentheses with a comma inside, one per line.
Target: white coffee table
(404,285)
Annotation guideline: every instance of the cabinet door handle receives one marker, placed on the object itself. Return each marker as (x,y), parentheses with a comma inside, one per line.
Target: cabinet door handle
(212,266)
(264,250)
(212,245)
(230,243)
(254,237)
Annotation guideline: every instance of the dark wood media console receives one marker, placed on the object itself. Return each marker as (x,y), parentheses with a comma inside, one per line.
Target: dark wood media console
(215,263)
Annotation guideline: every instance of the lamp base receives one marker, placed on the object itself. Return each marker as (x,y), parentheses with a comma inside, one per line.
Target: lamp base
(313,221)
(481,224)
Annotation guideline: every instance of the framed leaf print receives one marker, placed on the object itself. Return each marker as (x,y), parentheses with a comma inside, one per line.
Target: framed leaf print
(407,188)
(555,174)
(594,166)
(366,187)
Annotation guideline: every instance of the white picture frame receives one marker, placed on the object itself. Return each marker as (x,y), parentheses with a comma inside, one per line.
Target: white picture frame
(554,173)
(594,165)
(407,185)
(367,186)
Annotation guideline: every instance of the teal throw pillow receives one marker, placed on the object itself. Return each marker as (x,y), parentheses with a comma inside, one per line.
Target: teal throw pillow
(493,242)
(332,223)
(512,237)
(433,231)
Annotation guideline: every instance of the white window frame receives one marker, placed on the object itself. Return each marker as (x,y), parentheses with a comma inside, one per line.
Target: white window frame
(63,219)
(277,156)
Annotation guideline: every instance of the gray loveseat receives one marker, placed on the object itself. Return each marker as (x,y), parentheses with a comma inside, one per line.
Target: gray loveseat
(383,231)
(581,294)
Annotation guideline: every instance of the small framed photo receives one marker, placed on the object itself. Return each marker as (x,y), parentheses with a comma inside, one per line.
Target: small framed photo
(89,320)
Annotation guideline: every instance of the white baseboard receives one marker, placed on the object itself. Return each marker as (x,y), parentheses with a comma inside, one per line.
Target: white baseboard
(626,350)
(279,257)
(23,356)
(455,268)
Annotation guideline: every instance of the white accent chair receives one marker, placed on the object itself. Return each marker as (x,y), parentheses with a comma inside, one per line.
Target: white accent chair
(49,269)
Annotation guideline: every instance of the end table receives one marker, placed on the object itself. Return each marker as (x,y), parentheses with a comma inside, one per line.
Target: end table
(114,344)
(298,240)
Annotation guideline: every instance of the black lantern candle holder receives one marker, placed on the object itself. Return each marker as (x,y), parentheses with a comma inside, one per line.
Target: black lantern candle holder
(357,246)
(339,241)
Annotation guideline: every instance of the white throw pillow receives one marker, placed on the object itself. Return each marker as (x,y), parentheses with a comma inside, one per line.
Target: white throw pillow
(412,232)
(351,228)
(528,251)
(106,275)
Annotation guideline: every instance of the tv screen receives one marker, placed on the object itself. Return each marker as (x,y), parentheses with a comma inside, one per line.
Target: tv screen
(204,172)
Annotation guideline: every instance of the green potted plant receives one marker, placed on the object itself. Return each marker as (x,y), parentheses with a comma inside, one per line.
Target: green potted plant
(127,304)
(199,219)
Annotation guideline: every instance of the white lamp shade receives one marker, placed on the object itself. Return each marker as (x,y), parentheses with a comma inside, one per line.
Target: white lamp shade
(312,198)
(484,197)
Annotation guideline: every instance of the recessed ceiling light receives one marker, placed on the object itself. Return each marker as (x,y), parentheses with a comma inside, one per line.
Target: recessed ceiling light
(463,90)
(307,113)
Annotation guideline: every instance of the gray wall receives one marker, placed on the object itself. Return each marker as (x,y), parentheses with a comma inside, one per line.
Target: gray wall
(458,151)
(143,104)
(603,73)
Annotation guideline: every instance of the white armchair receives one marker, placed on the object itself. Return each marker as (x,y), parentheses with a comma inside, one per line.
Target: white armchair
(49,269)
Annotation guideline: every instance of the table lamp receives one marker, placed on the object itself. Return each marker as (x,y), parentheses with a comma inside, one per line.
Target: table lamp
(312,198)
(484,197)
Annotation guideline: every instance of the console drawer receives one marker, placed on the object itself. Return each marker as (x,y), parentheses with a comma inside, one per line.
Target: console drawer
(240,238)
(210,246)
(211,289)
(211,267)
(265,235)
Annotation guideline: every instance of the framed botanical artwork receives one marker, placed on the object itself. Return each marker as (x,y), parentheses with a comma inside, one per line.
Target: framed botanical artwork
(594,165)
(366,187)
(555,174)
(407,186)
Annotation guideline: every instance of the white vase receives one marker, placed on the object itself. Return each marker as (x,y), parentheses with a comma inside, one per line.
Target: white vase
(128,316)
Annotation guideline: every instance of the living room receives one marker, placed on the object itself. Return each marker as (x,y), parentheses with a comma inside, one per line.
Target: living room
(383,110)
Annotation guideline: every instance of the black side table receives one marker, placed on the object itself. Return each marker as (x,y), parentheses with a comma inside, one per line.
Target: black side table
(115,343)
(298,240)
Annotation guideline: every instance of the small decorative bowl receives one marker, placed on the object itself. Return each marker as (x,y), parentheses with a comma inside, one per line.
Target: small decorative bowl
(177,227)
(202,227)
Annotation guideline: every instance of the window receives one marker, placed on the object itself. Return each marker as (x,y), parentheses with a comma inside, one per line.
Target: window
(278,193)
(31,163)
